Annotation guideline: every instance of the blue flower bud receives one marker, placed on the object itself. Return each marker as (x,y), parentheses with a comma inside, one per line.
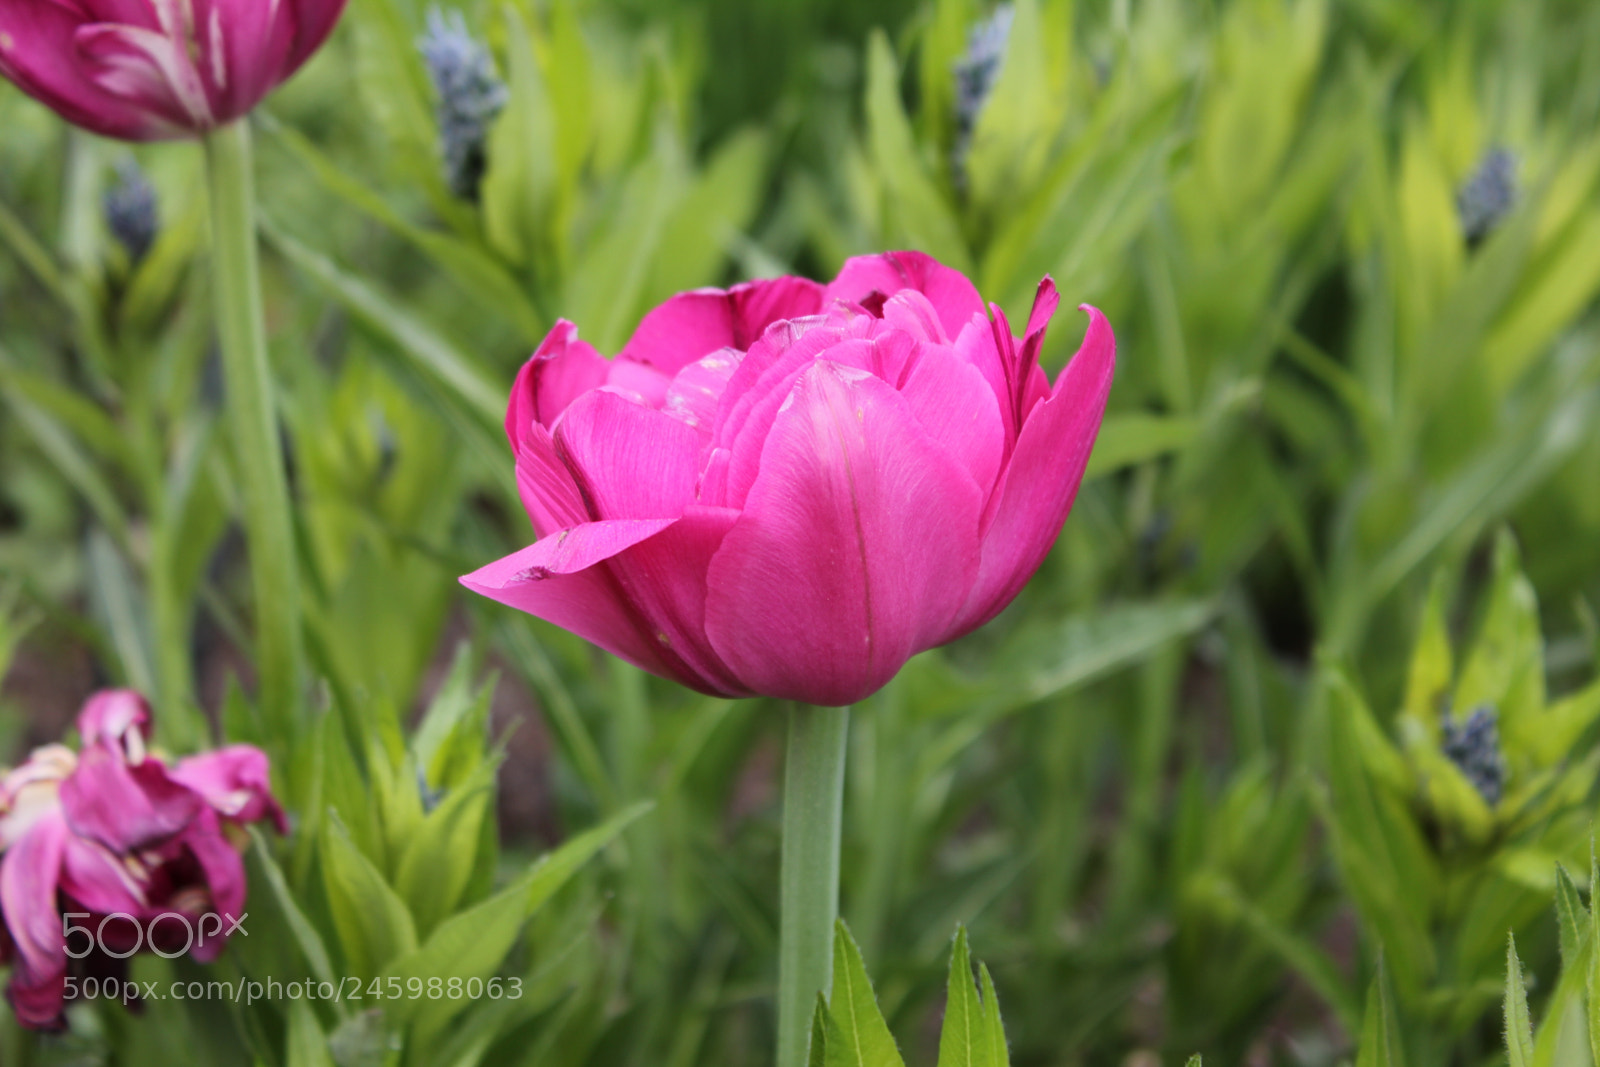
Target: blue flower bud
(976,72)
(1487,195)
(131,212)
(470,94)
(1473,745)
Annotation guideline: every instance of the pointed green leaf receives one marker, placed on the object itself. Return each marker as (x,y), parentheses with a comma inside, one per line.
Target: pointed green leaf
(961,1036)
(714,211)
(1571,918)
(1519,1026)
(819,1034)
(435,357)
(373,923)
(473,942)
(1428,683)
(994,1039)
(920,217)
(305,935)
(450,705)
(520,180)
(436,863)
(1505,668)
(62,448)
(307,1044)
(475,271)
(857,1034)
(1593,917)
(1022,114)
(1380,1031)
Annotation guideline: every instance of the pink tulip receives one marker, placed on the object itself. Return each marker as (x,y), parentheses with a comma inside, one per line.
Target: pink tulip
(788,490)
(127,844)
(144,70)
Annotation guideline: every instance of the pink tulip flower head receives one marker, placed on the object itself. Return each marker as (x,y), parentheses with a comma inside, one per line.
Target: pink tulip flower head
(141,854)
(146,70)
(789,490)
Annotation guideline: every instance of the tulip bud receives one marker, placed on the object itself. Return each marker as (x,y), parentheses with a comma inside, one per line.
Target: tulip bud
(1487,195)
(131,212)
(470,96)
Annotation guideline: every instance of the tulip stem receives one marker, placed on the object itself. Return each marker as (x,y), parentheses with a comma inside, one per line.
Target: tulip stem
(813,808)
(252,419)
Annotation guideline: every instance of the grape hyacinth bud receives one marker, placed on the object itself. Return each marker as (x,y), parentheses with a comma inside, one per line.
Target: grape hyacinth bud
(1473,745)
(131,212)
(976,72)
(471,94)
(1487,195)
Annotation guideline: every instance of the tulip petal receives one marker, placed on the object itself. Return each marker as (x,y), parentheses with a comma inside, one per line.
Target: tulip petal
(549,494)
(117,717)
(957,409)
(640,379)
(29,871)
(1039,484)
(976,346)
(560,370)
(664,579)
(125,807)
(746,458)
(556,579)
(244,47)
(236,781)
(223,869)
(150,69)
(629,461)
(1031,383)
(782,350)
(96,878)
(38,54)
(855,549)
(313,21)
(948,290)
(690,326)
(912,312)
(696,390)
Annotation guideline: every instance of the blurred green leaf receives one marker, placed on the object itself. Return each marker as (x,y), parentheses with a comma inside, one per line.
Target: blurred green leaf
(919,217)
(372,921)
(520,182)
(477,274)
(308,1045)
(472,943)
(1381,1041)
(1126,440)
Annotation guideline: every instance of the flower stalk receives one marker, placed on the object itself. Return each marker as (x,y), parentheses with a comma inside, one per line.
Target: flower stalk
(252,420)
(813,808)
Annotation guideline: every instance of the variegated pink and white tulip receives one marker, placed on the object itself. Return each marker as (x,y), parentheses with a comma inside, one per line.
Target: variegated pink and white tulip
(146,70)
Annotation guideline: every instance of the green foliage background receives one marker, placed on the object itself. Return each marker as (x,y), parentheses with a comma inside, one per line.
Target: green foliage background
(1191,793)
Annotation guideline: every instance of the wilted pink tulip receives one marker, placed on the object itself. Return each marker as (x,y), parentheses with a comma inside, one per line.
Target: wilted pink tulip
(145,70)
(788,490)
(141,854)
